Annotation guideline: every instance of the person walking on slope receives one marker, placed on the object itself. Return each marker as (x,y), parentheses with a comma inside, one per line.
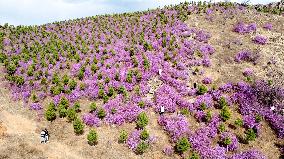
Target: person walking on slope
(162,110)
(160,72)
(44,136)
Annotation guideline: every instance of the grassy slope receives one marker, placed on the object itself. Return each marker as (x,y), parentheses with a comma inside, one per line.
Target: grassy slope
(21,140)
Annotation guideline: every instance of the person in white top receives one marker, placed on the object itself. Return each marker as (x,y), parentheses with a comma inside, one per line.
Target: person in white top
(162,110)
(42,137)
(160,72)
(272,108)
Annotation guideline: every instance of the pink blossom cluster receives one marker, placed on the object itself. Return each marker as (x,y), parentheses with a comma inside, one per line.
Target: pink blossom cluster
(234,141)
(259,39)
(176,126)
(134,139)
(242,28)
(247,72)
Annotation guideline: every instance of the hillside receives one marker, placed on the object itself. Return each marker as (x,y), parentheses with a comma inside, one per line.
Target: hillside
(217,69)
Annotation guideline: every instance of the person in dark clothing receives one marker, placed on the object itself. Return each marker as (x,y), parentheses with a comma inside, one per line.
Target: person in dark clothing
(194,85)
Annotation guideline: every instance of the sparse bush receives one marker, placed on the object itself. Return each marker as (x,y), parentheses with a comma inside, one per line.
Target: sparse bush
(71,114)
(110,91)
(82,86)
(100,76)
(113,110)
(222,102)
(51,106)
(194,156)
(55,78)
(30,71)
(129,77)
(78,126)
(203,106)
(81,74)
(101,93)
(43,81)
(221,128)
(144,135)
(50,113)
(3,57)
(270,82)
(19,80)
(105,98)
(11,68)
(258,118)
(64,102)
(132,51)
(225,113)
(94,68)
(250,135)
(65,79)
(55,90)
(107,80)
(101,113)
(239,122)
(122,90)
(137,89)
(249,79)
(208,116)
(92,137)
(62,111)
(146,63)
(202,89)
(123,136)
(76,106)
(117,77)
(142,147)
(72,84)
(182,145)
(142,120)
(93,106)
(141,104)
(139,76)
(226,141)
(184,111)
